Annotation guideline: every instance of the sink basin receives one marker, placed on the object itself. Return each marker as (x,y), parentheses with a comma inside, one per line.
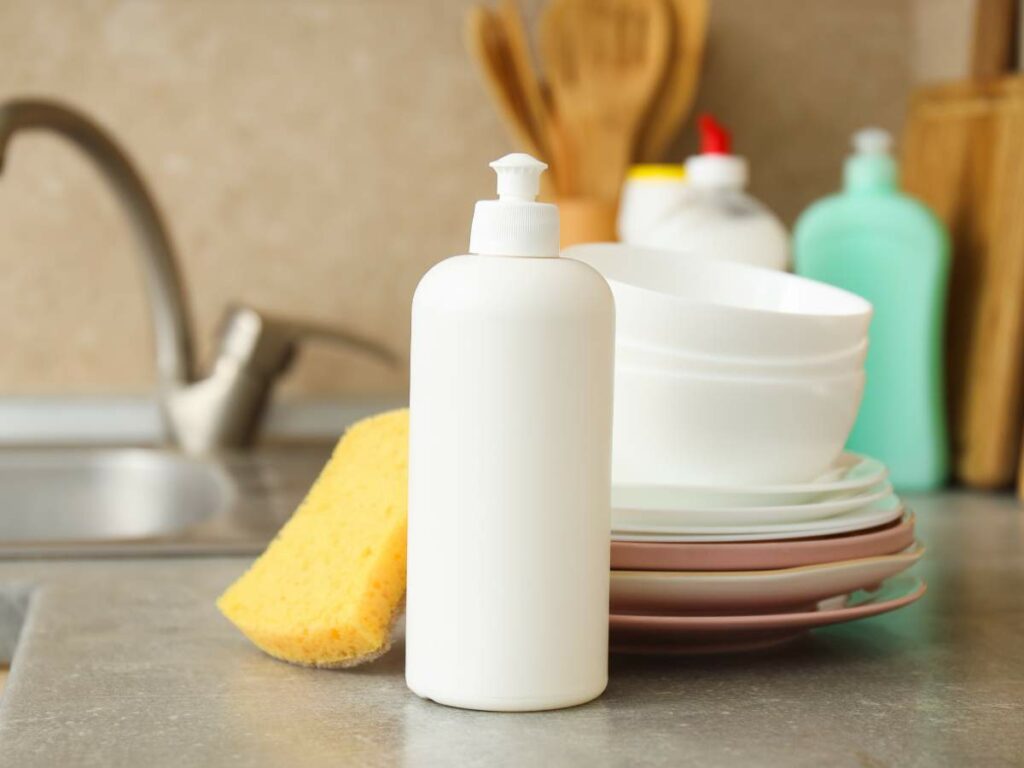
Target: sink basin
(62,495)
(68,502)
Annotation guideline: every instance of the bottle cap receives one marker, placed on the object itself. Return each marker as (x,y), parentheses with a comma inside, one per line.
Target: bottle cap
(656,172)
(515,224)
(872,141)
(716,166)
(715,138)
(871,167)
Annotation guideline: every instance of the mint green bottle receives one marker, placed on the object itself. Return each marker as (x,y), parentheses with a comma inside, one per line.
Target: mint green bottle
(879,243)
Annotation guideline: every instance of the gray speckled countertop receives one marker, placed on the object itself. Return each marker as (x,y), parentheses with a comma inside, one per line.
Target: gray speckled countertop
(129,663)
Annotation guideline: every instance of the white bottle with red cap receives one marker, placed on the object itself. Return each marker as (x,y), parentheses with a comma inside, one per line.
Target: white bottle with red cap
(510,464)
(715,217)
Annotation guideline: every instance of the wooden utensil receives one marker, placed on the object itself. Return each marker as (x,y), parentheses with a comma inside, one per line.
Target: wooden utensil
(485,43)
(964,156)
(676,95)
(605,60)
(992,48)
(509,18)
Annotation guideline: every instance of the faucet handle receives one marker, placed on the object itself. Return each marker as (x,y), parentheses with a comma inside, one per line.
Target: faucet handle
(224,410)
(265,344)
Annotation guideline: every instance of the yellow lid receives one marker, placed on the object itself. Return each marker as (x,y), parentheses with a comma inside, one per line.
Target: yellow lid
(657,172)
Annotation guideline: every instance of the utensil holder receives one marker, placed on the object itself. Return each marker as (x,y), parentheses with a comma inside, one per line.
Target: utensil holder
(586,220)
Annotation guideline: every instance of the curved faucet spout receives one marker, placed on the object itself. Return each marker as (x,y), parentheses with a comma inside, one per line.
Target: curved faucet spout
(224,409)
(160,268)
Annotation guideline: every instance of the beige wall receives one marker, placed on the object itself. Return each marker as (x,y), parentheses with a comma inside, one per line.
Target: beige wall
(316,157)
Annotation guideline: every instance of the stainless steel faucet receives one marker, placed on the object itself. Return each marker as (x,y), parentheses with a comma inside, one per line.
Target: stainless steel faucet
(225,409)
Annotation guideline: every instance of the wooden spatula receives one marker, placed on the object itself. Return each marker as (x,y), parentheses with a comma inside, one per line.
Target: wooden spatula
(675,98)
(605,60)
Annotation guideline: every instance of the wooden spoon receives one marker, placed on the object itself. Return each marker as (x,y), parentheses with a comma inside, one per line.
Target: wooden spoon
(485,43)
(675,99)
(509,17)
(605,60)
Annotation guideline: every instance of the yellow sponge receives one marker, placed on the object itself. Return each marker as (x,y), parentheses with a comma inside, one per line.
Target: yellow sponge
(326,591)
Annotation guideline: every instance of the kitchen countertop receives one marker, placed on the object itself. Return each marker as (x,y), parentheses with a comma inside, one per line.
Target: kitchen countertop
(129,663)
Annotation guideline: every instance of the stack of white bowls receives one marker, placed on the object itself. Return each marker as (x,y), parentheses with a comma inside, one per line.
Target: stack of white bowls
(737,520)
(728,374)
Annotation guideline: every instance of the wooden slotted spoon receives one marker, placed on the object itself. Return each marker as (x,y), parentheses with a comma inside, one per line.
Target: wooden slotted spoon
(675,99)
(605,60)
(509,17)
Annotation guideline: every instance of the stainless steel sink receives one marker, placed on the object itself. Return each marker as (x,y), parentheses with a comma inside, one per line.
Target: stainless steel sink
(128,502)
(144,502)
(106,495)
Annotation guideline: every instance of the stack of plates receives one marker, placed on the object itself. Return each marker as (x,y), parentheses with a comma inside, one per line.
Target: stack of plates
(724,569)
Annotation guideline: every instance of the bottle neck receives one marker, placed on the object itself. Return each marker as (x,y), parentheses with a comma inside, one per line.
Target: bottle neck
(514,228)
(870,173)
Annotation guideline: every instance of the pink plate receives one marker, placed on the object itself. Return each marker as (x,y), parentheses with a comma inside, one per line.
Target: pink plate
(711,643)
(763,555)
(645,632)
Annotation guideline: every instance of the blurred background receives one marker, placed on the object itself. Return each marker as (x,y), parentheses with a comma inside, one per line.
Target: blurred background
(314,157)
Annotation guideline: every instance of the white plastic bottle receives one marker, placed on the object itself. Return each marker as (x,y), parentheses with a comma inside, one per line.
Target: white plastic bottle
(510,465)
(714,216)
(649,192)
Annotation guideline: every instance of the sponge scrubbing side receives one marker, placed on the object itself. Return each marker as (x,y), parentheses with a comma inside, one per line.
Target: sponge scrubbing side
(326,591)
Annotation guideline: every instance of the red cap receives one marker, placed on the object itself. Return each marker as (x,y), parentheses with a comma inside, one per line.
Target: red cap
(714,137)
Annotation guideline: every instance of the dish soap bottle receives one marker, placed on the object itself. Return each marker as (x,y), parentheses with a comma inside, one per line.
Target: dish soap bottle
(715,217)
(875,241)
(510,464)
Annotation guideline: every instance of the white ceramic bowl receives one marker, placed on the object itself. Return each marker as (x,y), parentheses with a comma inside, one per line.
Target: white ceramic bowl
(716,307)
(722,430)
(671,361)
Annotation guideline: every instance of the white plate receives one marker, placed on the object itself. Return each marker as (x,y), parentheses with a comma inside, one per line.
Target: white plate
(851,473)
(756,591)
(879,513)
(649,518)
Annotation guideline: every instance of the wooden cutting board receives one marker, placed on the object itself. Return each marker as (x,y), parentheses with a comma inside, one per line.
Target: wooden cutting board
(963,154)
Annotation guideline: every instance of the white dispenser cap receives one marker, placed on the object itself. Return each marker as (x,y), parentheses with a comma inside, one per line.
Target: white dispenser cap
(720,171)
(872,141)
(515,224)
(715,167)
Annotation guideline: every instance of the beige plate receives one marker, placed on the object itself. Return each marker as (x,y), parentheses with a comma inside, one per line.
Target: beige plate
(674,592)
